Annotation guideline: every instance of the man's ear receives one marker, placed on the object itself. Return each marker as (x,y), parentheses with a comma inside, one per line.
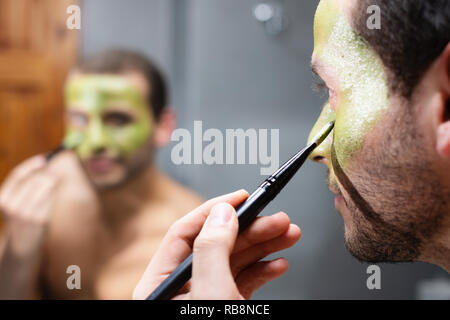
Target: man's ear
(443,132)
(164,127)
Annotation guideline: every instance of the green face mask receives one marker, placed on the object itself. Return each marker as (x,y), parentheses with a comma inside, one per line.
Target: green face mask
(109,112)
(362,90)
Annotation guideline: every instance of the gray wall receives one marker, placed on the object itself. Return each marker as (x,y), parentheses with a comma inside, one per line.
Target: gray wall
(226,71)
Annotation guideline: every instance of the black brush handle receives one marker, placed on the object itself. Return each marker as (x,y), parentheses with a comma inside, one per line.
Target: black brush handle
(49,156)
(246,213)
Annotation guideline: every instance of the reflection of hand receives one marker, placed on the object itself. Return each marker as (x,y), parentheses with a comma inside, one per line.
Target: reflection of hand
(225,266)
(26,199)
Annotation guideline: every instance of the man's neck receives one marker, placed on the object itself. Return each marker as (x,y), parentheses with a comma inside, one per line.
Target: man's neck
(125,201)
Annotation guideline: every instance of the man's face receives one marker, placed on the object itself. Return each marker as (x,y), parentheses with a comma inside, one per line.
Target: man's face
(386,188)
(111,113)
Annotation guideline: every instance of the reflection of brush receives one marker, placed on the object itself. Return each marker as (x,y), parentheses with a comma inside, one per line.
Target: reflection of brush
(71,141)
(246,212)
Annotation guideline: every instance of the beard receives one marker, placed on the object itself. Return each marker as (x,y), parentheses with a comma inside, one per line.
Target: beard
(127,170)
(394,195)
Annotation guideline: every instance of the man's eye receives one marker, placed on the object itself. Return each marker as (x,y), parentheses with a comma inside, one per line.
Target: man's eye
(117,119)
(320,86)
(77,119)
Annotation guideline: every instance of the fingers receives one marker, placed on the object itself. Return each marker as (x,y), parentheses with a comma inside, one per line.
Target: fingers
(258,274)
(211,273)
(39,204)
(32,198)
(244,258)
(177,243)
(188,227)
(27,193)
(262,229)
(18,175)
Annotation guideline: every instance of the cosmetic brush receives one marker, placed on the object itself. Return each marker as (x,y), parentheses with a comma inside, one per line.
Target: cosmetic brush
(71,141)
(246,211)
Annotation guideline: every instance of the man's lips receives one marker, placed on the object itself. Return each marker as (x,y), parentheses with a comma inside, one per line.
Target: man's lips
(100,164)
(334,188)
(338,201)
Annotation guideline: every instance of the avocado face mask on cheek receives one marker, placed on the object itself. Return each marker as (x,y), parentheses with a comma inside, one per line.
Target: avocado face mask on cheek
(94,95)
(363,89)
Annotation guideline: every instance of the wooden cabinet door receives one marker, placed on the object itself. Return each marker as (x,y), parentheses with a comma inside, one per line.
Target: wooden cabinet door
(36,52)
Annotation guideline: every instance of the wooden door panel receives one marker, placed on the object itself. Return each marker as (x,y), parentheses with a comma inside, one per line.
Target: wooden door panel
(36,52)
(23,125)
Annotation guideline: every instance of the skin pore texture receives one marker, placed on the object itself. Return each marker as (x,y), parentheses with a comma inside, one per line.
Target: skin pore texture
(93,94)
(381,164)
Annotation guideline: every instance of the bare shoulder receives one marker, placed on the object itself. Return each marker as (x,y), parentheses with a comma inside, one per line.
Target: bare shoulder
(180,198)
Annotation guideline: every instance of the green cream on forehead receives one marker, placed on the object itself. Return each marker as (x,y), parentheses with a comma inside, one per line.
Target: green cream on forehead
(362,85)
(96,94)
(93,91)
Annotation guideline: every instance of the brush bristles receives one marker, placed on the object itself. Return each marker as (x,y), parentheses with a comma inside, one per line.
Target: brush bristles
(324,133)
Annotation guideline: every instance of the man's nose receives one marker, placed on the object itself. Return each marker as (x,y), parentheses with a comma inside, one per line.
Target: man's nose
(323,152)
(98,136)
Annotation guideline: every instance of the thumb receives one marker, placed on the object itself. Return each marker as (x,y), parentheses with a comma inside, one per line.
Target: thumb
(211,273)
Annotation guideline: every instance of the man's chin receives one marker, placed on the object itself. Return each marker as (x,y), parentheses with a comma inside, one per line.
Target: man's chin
(363,248)
(355,239)
(354,249)
(107,181)
(371,245)
(359,245)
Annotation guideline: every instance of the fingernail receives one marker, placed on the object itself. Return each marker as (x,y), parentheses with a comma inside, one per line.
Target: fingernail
(220,214)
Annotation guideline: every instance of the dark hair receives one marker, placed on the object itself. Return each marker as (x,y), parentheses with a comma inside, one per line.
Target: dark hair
(413,34)
(118,61)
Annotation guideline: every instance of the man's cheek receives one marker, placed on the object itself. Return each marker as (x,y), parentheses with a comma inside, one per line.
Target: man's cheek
(131,138)
(83,149)
(353,123)
(89,148)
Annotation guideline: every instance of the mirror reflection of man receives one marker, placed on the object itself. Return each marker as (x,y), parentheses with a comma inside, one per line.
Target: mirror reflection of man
(104,205)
